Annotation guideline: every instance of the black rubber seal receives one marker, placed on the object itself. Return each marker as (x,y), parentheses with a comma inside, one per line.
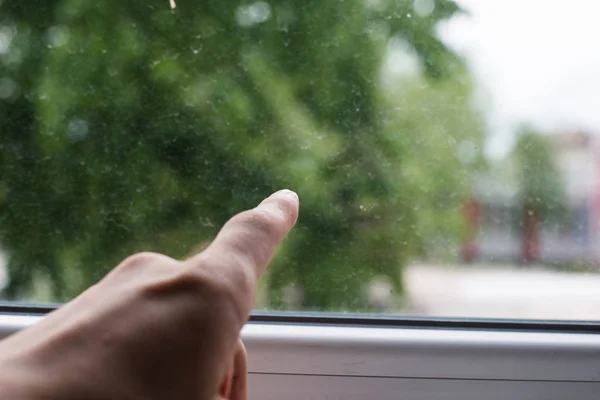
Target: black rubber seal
(373,320)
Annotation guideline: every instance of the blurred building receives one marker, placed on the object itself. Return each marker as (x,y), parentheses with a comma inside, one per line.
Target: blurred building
(495,219)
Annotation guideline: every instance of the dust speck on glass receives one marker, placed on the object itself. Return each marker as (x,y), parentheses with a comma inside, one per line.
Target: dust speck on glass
(446,153)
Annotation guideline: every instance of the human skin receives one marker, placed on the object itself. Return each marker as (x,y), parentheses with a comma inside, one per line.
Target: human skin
(155,327)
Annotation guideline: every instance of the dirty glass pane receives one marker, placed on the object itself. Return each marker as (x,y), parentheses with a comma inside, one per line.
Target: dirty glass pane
(445,152)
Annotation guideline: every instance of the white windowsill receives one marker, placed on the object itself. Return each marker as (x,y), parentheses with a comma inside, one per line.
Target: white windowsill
(310,361)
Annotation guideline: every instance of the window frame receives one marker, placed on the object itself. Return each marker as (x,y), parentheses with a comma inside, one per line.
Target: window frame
(312,355)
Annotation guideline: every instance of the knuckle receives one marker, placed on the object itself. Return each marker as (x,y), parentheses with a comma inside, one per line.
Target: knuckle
(141,259)
(196,296)
(146,261)
(202,282)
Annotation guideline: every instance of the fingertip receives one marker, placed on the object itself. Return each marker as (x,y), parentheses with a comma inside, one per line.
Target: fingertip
(283,195)
(287,201)
(287,193)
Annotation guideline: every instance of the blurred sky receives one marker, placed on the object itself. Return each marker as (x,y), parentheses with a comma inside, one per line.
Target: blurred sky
(534,60)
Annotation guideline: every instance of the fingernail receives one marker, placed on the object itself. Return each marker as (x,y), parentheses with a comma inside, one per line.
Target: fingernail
(282,193)
(286,192)
(285,200)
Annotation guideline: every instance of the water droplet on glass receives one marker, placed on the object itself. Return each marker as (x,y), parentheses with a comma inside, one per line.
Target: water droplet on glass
(58,36)
(252,14)
(77,129)
(6,37)
(423,8)
(8,87)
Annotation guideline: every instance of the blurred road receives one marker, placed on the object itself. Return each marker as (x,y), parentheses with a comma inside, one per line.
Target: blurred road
(502,292)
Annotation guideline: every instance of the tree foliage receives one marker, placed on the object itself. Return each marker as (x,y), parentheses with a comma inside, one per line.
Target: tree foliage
(442,134)
(129,126)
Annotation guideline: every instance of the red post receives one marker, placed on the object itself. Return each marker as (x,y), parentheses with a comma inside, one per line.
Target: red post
(531,236)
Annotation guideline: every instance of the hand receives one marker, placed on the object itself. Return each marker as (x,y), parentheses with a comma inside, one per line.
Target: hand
(154,327)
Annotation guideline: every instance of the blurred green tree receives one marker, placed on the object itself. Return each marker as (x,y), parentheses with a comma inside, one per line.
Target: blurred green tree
(542,195)
(442,134)
(128,126)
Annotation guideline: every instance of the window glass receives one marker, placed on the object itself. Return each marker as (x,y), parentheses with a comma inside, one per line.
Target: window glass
(446,153)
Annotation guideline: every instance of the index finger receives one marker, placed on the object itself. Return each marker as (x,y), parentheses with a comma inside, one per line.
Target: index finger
(247,242)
